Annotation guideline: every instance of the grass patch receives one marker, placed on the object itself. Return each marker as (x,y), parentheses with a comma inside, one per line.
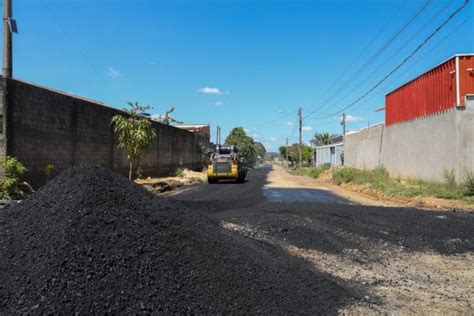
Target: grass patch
(313,172)
(379,179)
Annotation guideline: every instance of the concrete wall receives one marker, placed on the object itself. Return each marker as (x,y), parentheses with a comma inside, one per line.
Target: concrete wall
(362,149)
(421,148)
(49,127)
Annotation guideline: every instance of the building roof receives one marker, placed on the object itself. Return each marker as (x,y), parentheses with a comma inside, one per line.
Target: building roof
(192,125)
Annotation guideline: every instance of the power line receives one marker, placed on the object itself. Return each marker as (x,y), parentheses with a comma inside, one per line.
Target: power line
(376,55)
(391,56)
(364,49)
(426,54)
(427,39)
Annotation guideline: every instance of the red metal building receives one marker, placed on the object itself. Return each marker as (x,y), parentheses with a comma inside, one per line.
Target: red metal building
(442,88)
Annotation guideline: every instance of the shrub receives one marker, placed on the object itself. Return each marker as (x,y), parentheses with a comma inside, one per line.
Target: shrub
(49,171)
(140,173)
(344,175)
(469,184)
(313,172)
(14,172)
(179,172)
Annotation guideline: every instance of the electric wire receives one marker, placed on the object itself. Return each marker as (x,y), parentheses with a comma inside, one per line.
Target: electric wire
(364,49)
(390,58)
(423,43)
(376,55)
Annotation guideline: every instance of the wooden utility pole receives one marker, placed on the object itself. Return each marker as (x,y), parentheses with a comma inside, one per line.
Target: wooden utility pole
(343,123)
(7,70)
(300,147)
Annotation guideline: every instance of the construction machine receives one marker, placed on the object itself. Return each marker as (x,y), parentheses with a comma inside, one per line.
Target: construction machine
(225,164)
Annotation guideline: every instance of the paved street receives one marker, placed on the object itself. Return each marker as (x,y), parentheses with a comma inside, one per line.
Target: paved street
(397,259)
(272,183)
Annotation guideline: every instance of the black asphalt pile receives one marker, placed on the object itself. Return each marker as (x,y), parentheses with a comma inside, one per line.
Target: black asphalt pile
(93,242)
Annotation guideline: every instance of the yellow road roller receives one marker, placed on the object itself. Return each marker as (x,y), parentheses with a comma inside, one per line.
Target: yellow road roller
(226,165)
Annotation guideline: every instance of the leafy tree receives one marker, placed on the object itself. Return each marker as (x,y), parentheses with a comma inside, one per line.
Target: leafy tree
(244,144)
(261,151)
(306,153)
(135,132)
(282,150)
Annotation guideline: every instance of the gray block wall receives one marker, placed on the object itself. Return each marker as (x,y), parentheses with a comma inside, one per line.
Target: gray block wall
(44,126)
(422,148)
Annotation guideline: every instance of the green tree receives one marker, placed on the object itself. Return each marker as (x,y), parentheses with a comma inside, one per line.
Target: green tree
(306,153)
(261,151)
(244,144)
(282,150)
(135,132)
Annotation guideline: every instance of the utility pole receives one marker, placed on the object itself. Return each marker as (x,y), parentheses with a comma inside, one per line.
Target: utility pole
(218,132)
(343,123)
(286,152)
(300,148)
(7,70)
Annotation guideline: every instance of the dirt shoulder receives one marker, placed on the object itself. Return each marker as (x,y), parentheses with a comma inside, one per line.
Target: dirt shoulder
(165,185)
(365,195)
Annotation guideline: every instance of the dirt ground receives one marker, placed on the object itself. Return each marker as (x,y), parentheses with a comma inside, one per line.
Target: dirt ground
(166,184)
(403,260)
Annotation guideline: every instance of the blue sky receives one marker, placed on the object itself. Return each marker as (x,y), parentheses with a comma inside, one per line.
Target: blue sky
(236,63)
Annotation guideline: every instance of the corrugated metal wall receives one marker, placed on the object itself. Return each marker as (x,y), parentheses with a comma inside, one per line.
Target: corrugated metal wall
(432,92)
(466,78)
(329,155)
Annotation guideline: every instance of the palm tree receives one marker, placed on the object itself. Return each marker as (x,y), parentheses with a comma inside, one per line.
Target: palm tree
(321,139)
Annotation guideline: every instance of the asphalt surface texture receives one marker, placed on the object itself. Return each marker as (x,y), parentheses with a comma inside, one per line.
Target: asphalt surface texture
(92,242)
(402,259)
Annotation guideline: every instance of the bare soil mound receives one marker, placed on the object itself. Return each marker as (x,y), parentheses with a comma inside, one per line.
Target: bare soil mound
(94,242)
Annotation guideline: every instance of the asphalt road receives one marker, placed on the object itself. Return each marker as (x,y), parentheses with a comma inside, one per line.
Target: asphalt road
(399,260)
(270,183)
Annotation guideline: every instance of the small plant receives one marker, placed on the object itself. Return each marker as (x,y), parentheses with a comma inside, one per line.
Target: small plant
(14,172)
(344,175)
(135,133)
(179,172)
(49,171)
(450,178)
(469,184)
(140,173)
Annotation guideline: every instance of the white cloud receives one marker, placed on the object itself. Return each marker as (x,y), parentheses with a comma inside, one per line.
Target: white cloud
(289,123)
(350,118)
(113,73)
(255,136)
(272,139)
(217,103)
(209,90)
(246,130)
(306,128)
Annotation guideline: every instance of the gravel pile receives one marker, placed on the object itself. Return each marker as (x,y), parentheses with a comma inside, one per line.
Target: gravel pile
(93,242)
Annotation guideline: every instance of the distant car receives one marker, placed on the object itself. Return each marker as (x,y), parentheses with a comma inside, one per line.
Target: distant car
(226,165)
